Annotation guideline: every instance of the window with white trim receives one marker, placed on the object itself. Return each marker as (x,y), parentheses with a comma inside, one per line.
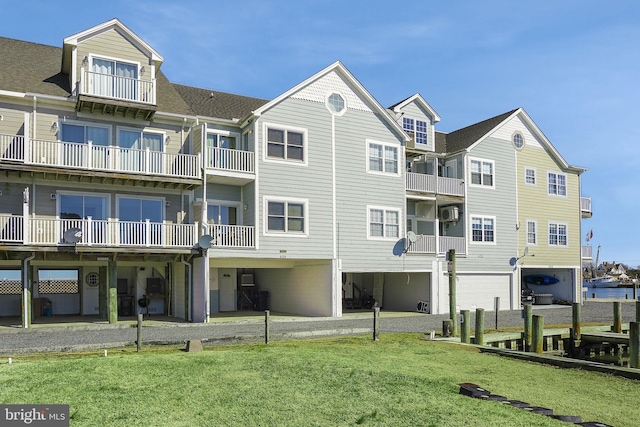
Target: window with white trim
(557,184)
(384,223)
(482,229)
(530,176)
(286,216)
(417,127)
(518,140)
(336,104)
(383,158)
(532,235)
(482,172)
(557,234)
(286,143)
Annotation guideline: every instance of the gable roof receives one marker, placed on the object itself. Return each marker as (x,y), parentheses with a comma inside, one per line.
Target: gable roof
(339,68)
(417,98)
(72,41)
(464,138)
(214,104)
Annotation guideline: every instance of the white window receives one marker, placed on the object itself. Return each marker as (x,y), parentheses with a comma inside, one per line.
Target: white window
(417,127)
(336,104)
(408,124)
(133,147)
(286,216)
(518,140)
(85,145)
(483,229)
(284,143)
(532,235)
(383,158)
(530,176)
(557,184)
(384,223)
(114,79)
(482,172)
(557,234)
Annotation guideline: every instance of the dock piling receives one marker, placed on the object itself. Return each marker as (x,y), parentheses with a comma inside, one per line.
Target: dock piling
(537,338)
(617,317)
(465,329)
(480,326)
(575,320)
(528,312)
(634,345)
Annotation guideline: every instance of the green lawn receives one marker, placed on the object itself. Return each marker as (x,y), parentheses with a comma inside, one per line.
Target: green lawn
(402,380)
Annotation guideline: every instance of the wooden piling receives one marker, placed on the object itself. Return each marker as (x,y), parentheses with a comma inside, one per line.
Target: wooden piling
(637,311)
(465,329)
(496,307)
(376,323)
(617,317)
(267,326)
(480,326)
(634,345)
(139,333)
(575,320)
(452,291)
(528,313)
(537,337)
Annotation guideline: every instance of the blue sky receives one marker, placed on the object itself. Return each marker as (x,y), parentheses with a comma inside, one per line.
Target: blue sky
(574,66)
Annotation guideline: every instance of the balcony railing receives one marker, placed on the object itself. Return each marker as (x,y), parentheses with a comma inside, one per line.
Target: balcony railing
(11,228)
(426,244)
(424,183)
(230,160)
(118,87)
(72,155)
(587,252)
(585,206)
(232,236)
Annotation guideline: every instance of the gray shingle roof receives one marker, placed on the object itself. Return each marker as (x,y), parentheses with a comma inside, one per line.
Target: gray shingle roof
(210,103)
(467,136)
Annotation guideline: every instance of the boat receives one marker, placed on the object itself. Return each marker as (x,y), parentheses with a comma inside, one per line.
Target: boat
(605,281)
(540,279)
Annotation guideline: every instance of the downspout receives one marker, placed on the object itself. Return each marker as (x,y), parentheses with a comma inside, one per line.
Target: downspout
(190,296)
(26,306)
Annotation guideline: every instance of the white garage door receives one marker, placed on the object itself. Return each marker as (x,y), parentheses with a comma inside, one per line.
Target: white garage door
(479,290)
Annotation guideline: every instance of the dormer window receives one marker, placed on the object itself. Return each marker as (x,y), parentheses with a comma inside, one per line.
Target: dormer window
(416,127)
(114,79)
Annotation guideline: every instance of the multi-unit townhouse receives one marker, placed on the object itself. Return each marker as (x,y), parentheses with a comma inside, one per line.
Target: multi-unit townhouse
(124,192)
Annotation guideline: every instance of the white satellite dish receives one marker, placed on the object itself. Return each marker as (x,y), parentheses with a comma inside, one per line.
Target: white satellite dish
(411,236)
(72,235)
(204,242)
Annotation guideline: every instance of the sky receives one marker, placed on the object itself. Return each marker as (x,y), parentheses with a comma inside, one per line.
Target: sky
(573,65)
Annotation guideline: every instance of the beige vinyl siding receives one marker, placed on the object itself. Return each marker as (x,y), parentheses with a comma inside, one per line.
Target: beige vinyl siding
(222,192)
(43,126)
(12,122)
(196,138)
(11,199)
(113,45)
(536,204)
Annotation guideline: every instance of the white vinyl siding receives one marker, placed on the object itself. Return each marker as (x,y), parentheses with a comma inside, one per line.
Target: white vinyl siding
(383,223)
(558,234)
(482,173)
(557,184)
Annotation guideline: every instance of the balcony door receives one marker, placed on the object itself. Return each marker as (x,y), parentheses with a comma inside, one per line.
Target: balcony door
(114,79)
(133,214)
(141,151)
(217,146)
(75,152)
(74,211)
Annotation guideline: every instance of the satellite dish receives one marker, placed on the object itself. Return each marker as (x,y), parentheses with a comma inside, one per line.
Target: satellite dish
(72,235)
(411,236)
(204,242)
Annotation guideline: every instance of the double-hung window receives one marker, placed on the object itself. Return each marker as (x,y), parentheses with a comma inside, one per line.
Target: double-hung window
(286,216)
(557,234)
(532,235)
(383,158)
(530,176)
(417,127)
(482,172)
(483,229)
(286,143)
(557,184)
(384,223)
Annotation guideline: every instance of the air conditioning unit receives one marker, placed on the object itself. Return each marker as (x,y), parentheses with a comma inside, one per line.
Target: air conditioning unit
(449,214)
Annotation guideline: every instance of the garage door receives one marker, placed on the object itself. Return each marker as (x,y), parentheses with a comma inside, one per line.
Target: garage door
(479,290)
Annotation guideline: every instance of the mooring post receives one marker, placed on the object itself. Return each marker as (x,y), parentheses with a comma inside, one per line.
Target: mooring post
(465,329)
(637,311)
(480,326)
(528,312)
(267,326)
(451,269)
(537,338)
(496,307)
(575,320)
(617,317)
(376,323)
(634,345)
(139,334)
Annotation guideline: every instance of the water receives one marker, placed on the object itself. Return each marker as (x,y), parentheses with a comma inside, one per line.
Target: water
(619,293)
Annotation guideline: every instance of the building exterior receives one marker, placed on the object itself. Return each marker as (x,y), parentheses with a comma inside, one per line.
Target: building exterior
(122,191)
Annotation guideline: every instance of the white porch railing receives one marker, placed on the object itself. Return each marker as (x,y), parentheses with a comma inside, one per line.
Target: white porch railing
(458,243)
(232,236)
(117,87)
(230,160)
(587,252)
(425,183)
(110,159)
(112,233)
(424,244)
(11,228)
(12,147)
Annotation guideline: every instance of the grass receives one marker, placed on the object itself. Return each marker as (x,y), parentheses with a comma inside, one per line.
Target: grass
(346,381)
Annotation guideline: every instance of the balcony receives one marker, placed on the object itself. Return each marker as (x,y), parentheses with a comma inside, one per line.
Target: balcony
(230,166)
(70,155)
(97,233)
(585,207)
(232,236)
(423,183)
(116,95)
(587,253)
(426,244)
